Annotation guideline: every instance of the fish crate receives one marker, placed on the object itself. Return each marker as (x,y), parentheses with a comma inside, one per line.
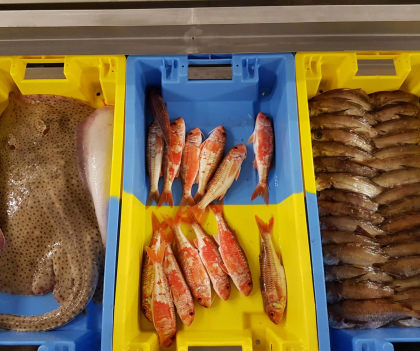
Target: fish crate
(372,72)
(97,81)
(254,83)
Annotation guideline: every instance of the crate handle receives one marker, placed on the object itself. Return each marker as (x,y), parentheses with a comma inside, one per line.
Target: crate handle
(45,70)
(210,67)
(388,65)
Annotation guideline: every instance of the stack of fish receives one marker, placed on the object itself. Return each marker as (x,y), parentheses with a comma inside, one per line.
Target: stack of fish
(365,157)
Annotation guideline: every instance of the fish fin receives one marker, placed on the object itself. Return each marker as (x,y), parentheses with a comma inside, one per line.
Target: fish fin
(261,190)
(189,217)
(265,227)
(223,267)
(197,197)
(251,138)
(155,222)
(187,200)
(237,174)
(156,257)
(153,197)
(221,197)
(195,243)
(198,213)
(177,172)
(166,196)
(168,237)
(255,163)
(196,177)
(217,209)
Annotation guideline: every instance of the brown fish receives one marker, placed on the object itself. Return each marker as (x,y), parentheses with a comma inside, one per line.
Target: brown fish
(403,267)
(394,163)
(349,197)
(405,249)
(395,178)
(342,165)
(395,151)
(350,224)
(404,284)
(352,254)
(398,193)
(395,111)
(358,273)
(329,208)
(349,182)
(357,96)
(397,125)
(154,157)
(356,290)
(404,138)
(409,294)
(331,148)
(340,237)
(398,224)
(341,121)
(398,238)
(335,105)
(367,314)
(382,98)
(160,113)
(343,136)
(408,204)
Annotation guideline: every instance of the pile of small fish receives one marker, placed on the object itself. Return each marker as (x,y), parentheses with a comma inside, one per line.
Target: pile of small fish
(172,279)
(170,153)
(367,165)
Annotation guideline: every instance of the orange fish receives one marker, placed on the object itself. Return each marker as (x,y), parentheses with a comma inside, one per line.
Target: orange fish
(212,260)
(181,294)
(228,170)
(172,160)
(232,253)
(190,164)
(163,310)
(148,276)
(211,154)
(263,139)
(154,156)
(194,271)
(159,111)
(273,278)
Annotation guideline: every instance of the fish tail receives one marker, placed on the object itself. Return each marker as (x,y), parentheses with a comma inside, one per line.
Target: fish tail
(198,213)
(155,222)
(261,190)
(217,209)
(189,218)
(153,197)
(156,256)
(187,200)
(197,197)
(166,196)
(265,227)
(168,237)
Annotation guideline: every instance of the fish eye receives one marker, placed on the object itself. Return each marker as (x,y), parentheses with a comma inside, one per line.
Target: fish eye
(235,147)
(199,299)
(191,313)
(228,287)
(249,283)
(271,314)
(318,135)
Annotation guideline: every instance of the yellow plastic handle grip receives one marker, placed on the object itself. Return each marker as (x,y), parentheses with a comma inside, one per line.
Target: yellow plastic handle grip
(401,62)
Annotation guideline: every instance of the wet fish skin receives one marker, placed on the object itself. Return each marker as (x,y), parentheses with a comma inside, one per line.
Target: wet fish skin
(395,111)
(357,96)
(160,113)
(409,294)
(345,181)
(232,253)
(397,193)
(357,273)
(335,105)
(340,121)
(403,138)
(394,163)
(403,267)
(154,158)
(343,136)
(401,223)
(342,237)
(342,165)
(350,197)
(190,164)
(382,98)
(398,125)
(399,177)
(352,254)
(349,224)
(395,151)
(272,274)
(404,284)
(211,154)
(367,314)
(399,238)
(332,148)
(327,208)
(403,249)
(263,140)
(408,204)
(357,290)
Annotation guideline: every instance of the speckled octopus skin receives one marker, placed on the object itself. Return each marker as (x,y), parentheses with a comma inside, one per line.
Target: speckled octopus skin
(46,212)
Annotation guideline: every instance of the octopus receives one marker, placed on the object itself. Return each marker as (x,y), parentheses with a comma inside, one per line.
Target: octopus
(51,239)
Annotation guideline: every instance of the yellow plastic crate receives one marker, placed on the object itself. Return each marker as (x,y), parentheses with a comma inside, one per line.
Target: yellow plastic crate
(95,80)
(241,320)
(321,71)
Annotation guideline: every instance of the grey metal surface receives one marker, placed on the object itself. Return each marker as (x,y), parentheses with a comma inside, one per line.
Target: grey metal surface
(215,29)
